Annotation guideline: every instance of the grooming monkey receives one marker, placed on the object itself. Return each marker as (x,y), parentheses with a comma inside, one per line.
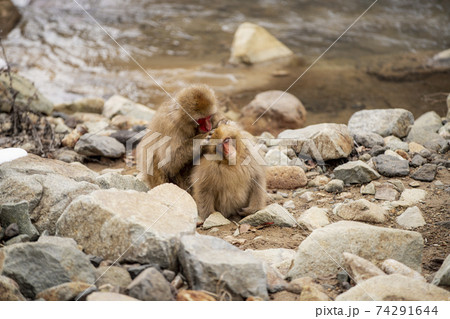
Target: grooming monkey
(230,184)
(172,130)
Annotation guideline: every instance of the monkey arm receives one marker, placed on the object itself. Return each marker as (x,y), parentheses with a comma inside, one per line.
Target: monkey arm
(257,197)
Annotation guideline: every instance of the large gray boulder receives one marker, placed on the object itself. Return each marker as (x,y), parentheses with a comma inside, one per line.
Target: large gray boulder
(129,225)
(48,186)
(38,266)
(212,264)
(320,254)
(322,142)
(394,287)
(99,145)
(391,166)
(384,122)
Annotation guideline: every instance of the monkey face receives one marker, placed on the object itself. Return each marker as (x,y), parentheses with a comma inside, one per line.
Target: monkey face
(229,147)
(204,124)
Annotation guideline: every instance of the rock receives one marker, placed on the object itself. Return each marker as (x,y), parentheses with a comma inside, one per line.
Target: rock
(444,131)
(60,241)
(124,122)
(9,290)
(69,156)
(71,139)
(394,143)
(216,219)
(24,238)
(124,136)
(64,292)
(285,177)
(356,172)
(112,275)
(169,274)
(119,105)
(96,127)
(274,110)
(322,142)
(97,145)
(442,276)
(397,184)
(335,186)
(109,296)
(275,157)
(122,182)
(289,204)
(89,104)
(192,295)
(131,221)
(38,266)
(359,268)
(28,96)
(417,161)
(414,184)
(9,17)
(150,285)
(390,166)
(368,139)
(377,150)
(253,44)
(361,210)
(307,196)
(211,264)
(312,293)
(413,196)
(386,193)
(411,218)
(394,287)
(297,285)
(384,122)
(314,218)
(415,148)
(18,213)
(393,154)
(425,128)
(392,266)
(273,214)
(47,185)
(11,231)
(278,258)
(426,173)
(365,157)
(320,254)
(368,189)
(275,280)
(318,181)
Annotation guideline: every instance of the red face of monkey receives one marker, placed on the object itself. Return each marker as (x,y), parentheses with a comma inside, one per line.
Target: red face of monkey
(228,149)
(204,124)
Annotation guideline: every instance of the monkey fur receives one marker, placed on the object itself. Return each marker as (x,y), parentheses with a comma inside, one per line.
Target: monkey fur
(233,190)
(192,116)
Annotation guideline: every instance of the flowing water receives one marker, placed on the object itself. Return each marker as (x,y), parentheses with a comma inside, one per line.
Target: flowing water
(68,54)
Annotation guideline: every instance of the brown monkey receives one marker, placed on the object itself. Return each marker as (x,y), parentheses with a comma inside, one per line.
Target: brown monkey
(230,184)
(172,130)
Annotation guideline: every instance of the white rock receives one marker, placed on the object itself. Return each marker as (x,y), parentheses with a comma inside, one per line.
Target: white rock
(361,210)
(413,196)
(216,219)
(392,266)
(314,218)
(411,218)
(275,157)
(278,258)
(119,105)
(252,44)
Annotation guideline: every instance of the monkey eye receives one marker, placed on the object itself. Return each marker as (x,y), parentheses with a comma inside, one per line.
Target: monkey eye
(226,140)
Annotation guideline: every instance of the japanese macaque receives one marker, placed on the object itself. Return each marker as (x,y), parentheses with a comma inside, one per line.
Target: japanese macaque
(231,182)
(165,154)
